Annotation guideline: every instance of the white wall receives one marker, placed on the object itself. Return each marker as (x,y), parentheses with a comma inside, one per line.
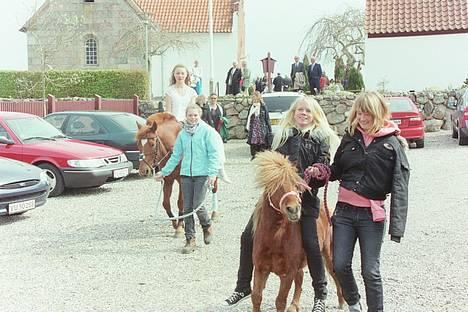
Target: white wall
(225,45)
(417,62)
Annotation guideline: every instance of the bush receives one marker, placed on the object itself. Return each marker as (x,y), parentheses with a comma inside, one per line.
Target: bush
(118,84)
(355,81)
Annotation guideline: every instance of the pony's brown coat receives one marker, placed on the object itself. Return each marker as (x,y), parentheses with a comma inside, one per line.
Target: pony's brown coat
(277,243)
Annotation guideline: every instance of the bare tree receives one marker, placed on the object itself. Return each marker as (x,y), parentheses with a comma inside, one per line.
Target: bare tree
(337,37)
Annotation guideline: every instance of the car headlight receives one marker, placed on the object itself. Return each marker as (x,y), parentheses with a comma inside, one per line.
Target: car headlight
(123,158)
(86,163)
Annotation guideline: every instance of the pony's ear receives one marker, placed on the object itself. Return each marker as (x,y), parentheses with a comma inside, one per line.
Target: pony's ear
(153,127)
(138,125)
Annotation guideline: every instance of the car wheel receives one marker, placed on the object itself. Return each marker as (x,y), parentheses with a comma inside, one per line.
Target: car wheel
(419,143)
(461,139)
(55,179)
(454,132)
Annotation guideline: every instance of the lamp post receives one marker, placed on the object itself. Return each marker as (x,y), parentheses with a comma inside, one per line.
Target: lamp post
(210,25)
(147,56)
(268,64)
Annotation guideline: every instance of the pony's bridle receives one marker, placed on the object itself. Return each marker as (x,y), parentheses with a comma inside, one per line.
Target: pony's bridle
(292,193)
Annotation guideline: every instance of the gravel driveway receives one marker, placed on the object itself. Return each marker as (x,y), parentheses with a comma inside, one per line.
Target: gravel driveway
(109,249)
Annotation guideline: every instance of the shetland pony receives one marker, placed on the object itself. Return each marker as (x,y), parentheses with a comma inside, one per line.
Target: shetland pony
(277,241)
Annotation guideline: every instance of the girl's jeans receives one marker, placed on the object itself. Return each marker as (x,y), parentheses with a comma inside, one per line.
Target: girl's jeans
(194,193)
(351,223)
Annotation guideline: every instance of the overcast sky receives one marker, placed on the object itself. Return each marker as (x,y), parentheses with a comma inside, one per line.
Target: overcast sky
(271,25)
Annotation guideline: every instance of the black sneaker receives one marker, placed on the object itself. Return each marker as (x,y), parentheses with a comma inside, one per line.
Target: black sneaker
(235,298)
(319,305)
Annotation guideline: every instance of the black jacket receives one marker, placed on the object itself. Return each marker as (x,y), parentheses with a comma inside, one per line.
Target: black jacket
(265,124)
(304,151)
(374,172)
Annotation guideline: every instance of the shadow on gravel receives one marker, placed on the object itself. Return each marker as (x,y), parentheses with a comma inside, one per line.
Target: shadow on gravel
(12,219)
(82,192)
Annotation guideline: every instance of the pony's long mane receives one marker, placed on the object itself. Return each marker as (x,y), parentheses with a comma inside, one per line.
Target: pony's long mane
(273,171)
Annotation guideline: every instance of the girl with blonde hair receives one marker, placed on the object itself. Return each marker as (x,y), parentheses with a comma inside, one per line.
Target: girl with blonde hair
(179,94)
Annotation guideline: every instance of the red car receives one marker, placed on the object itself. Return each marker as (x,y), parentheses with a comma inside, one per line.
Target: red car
(68,163)
(460,120)
(408,118)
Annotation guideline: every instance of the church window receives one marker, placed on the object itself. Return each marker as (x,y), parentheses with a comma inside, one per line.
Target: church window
(91,51)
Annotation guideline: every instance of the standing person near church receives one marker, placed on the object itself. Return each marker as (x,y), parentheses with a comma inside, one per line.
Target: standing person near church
(278,83)
(196,78)
(314,72)
(297,74)
(233,78)
(246,81)
(179,94)
(258,125)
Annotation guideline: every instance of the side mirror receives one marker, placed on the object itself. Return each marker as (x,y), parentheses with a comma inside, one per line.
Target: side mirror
(5,140)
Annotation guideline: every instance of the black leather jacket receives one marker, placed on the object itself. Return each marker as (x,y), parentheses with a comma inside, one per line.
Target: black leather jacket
(374,172)
(304,151)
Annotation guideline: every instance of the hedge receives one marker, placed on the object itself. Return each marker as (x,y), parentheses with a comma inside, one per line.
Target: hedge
(117,84)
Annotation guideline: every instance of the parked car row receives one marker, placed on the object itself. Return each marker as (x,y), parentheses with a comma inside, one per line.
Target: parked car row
(460,120)
(68,163)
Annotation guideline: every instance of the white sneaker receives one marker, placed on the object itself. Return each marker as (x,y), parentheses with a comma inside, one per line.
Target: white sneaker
(355,307)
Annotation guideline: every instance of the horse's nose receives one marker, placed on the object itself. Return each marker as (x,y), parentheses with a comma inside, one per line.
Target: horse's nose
(292,209)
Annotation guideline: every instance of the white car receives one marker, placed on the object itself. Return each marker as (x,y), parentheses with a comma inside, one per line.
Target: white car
(278,104)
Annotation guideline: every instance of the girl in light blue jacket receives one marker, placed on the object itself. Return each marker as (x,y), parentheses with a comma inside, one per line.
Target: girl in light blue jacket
(198,150)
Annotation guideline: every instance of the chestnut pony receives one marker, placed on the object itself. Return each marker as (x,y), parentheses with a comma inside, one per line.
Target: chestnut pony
(160,133)
(277,241)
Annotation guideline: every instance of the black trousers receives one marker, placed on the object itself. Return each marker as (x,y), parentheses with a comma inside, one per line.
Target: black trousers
(311,247)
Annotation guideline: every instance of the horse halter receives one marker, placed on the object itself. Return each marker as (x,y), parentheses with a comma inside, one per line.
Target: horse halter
(291,193)
(154,153)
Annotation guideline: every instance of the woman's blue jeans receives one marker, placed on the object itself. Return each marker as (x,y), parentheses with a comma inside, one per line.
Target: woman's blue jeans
(350,224)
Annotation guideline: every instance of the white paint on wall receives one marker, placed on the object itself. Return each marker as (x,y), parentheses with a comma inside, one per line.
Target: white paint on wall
(417,62)
(224,54)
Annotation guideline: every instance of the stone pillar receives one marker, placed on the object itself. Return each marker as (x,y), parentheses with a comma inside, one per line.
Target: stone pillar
(51,104)
(136,103)
(97,102)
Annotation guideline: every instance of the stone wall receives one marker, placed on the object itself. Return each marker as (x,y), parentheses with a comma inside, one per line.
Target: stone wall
(433,105)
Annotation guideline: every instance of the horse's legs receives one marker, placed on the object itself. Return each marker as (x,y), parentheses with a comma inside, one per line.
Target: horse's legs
(260,279)
(328,259)
(285,286)
(167,190)
(298,279)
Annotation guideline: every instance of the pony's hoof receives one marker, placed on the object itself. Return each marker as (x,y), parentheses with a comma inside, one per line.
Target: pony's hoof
(179,232)
(293,308)
(215,216)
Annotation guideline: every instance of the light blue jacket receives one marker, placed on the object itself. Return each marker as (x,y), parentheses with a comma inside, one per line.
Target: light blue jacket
(199,153)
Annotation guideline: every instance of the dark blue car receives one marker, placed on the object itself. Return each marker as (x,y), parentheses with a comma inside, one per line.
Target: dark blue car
(115,129)
(22,186)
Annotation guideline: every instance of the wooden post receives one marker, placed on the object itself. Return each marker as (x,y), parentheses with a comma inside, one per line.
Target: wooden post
(51,104)
(136,104)
(97,102)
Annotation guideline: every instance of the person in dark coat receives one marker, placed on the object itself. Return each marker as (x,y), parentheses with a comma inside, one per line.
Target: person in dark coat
(233,78)
(258,125)
(296,67)
(314,72)
(370,164)
(278,83)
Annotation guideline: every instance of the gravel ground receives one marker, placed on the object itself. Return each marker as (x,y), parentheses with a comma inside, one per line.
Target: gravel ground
(109,249)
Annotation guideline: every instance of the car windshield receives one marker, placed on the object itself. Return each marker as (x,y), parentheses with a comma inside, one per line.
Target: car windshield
(33,128)
(279,103)
(400,105)
(128,122)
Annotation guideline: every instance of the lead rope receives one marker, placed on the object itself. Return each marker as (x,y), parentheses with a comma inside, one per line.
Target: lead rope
(324,175)
(209,189)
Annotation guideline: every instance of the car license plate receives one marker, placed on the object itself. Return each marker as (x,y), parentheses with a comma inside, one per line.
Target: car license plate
(397,121)
(120,173)
(275,121)
(21,206)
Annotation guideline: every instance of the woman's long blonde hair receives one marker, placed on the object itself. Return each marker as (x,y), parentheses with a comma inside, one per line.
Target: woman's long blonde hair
(372,103)
(318,127)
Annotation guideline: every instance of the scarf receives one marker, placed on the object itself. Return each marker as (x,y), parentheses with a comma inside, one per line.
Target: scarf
(190,128)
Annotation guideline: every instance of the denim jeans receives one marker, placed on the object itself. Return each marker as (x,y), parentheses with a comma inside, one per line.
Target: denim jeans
(194,193)
(351,223)
(311,248)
